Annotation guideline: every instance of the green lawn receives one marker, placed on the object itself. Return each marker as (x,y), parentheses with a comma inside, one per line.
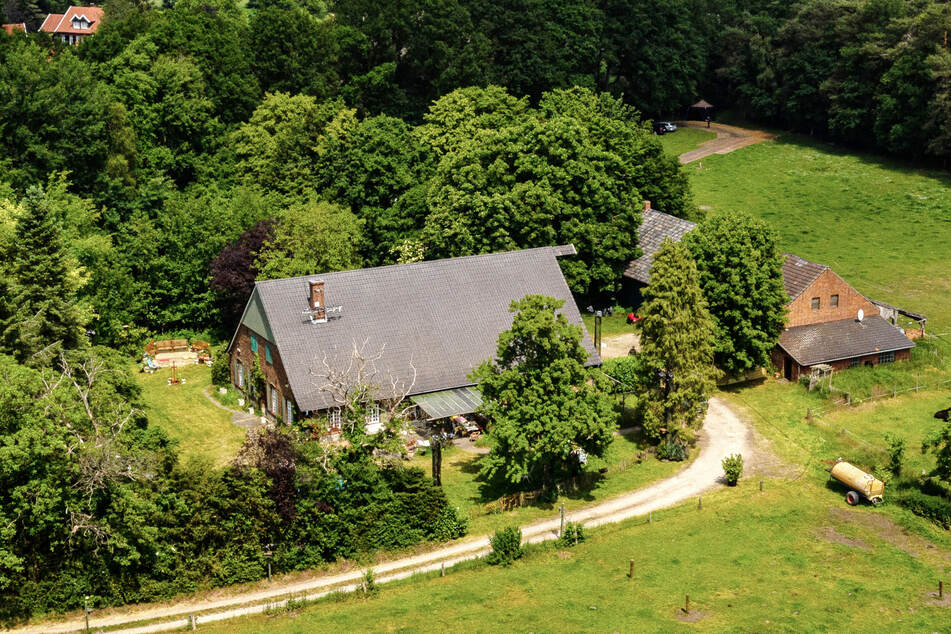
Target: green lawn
(188,416)
(465,491)
(615,324)
(685,139)
(884,226)
(791,558)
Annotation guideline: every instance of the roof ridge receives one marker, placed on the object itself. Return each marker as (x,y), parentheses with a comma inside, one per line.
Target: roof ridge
(555,248)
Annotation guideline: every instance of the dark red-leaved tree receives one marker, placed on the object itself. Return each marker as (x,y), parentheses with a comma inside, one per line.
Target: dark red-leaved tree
(273,452)
(233,271)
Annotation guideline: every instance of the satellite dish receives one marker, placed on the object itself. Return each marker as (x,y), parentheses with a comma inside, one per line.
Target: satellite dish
(861,314)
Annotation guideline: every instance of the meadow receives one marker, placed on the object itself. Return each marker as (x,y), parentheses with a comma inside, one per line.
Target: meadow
(788,558)
(685,139)
(884,226)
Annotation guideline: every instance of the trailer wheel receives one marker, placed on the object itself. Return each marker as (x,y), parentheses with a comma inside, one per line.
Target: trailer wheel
(852,498)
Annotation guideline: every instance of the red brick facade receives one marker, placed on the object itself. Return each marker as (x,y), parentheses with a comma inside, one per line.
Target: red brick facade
(827,285)
(791,370)
(278,397)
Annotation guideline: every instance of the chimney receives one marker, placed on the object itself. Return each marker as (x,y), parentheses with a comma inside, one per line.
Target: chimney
(317,298)
(647,205)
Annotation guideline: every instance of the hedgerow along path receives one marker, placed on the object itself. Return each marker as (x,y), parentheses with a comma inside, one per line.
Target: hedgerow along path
(723,433)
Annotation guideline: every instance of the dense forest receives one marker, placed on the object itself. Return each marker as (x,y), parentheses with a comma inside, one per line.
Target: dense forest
(151,174)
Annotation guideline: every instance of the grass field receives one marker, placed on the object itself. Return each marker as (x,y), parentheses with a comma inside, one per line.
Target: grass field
(685,139)
(465,491)
(791,558)
(188,416)
(883,226)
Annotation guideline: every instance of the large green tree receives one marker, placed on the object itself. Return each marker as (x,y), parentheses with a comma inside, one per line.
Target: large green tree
(741,275)
(545,408)
(677,337)
(311,237)
(571,173)
(46,317)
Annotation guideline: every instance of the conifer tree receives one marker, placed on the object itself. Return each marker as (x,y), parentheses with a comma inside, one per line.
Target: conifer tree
(46,317)
(676,347)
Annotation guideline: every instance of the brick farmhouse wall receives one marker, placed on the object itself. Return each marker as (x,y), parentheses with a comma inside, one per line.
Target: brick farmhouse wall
(826,285)
(779,358)
(273,372)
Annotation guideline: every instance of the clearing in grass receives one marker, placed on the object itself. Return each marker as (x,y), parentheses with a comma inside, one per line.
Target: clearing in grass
(187,415)
(685,139)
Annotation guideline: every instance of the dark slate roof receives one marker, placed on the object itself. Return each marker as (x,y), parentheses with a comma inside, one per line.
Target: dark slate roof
(443,317)
(655,227)
(798,274)
(842,339)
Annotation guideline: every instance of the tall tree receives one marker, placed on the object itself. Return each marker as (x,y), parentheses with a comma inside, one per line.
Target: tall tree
(545,407)
(312,237)
(741,275)
(47,317)
(677,336)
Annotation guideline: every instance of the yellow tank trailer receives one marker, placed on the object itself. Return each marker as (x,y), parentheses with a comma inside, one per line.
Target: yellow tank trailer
(859,481)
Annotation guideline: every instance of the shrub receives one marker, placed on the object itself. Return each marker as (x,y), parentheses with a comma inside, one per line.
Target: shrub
(671,448)
(896,453)
(221,367)
(450,524)
(932,507)
(573,533)
(732,468)
(369,582)
(506,546)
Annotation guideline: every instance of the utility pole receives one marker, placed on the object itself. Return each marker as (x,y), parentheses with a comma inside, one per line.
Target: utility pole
(597,332)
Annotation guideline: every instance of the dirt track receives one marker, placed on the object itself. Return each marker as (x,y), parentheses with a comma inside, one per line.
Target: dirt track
(729,138)
(723,433)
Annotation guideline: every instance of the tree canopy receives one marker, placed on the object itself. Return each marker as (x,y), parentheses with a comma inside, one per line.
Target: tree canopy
(740,270)
(545,408)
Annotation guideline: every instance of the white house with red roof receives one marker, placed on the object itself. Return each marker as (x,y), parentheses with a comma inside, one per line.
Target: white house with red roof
(74,25)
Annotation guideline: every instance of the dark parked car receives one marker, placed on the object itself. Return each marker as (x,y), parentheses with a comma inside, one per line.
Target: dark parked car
(663,127)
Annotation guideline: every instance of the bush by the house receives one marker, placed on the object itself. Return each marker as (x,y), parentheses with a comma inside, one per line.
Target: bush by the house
(732,468)
(220,368)
(506,546)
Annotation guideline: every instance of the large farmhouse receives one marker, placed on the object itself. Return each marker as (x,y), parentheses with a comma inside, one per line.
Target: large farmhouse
(429,323)
(824,325)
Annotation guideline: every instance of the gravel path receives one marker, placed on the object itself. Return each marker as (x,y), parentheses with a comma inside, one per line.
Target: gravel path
(729,138)
(723,433)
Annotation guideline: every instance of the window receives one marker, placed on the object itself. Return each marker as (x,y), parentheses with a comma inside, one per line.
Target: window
(886,357)
(267,354)
(254,343)
(373,415)
(272,401)
(815,303)
(854,363)
(834,301)
(288,412)
(334,418)
(239,374)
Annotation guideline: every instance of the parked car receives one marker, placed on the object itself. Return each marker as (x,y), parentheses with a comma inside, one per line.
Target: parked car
(663,127)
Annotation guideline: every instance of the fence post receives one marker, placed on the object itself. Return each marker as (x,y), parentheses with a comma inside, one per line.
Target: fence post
(687,604)
(700,502)
(631,574)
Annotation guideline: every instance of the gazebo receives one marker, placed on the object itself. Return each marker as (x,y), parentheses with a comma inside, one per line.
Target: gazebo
(700,111)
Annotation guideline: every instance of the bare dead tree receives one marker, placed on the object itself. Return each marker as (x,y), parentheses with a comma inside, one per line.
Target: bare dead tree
(96,428)
(359,383)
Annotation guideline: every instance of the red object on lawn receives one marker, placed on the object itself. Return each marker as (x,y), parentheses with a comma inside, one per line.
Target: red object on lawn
(632,318)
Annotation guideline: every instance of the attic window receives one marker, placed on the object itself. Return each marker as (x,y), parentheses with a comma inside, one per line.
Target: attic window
(815,303)
(254,343)
(834,301)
